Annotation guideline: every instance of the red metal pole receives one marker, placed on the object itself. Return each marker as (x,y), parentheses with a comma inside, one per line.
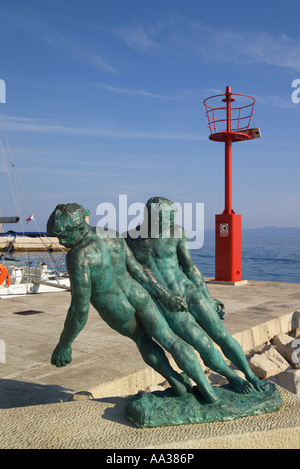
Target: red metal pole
(228,176)
(228,155)
(228,105)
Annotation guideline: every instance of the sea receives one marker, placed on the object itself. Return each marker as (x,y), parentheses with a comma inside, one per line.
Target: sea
(268,254)
(264,257)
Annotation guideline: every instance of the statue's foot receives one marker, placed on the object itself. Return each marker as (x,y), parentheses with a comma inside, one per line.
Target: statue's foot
(182,384)
(208,394)
(257,383)
(242,386)
(186,380)
(179,387)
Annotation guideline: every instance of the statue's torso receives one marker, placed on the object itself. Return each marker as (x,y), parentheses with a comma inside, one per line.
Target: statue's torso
(115,294)
(160,255)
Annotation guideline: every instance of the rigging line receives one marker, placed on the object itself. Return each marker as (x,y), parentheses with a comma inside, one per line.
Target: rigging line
(28,203)
(63,252)
(51,259)
(55,273)
(16,186)
(55,244)
(16,198)
(17,204)
(9,178)
(16,176)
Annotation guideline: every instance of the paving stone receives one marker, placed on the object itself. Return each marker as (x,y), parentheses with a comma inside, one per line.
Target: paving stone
(286,346)
(268,363)
(290,380)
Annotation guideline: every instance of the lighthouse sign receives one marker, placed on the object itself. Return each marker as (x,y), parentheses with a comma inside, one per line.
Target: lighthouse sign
(224,230)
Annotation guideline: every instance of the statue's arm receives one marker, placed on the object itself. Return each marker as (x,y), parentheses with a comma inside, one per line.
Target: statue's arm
(188,266)
(77,313)
(146,278)
(194,274)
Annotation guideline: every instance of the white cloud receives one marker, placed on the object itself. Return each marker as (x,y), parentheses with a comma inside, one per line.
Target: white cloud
(180,96)
(135,37)
(189,39)
(76,49)
(260,47)
(30,20)
(276,101)
(250,47)
(24,125)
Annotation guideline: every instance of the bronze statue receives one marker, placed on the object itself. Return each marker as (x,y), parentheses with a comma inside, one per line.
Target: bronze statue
(158,310)
(104,272)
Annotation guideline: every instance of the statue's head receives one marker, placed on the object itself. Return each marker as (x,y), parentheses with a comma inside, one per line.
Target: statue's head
(67,222)
(160,212)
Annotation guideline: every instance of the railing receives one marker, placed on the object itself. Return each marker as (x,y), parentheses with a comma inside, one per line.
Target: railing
(241,114)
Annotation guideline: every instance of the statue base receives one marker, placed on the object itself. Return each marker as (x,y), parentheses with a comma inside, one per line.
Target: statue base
(163,408)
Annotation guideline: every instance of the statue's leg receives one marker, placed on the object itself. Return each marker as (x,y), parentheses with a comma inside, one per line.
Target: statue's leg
(156,358)
(183,354)
(153,354)
(209,320)
(186,327)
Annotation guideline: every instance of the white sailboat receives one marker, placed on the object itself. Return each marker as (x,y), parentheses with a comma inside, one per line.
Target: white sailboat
(21,277)
(24,280)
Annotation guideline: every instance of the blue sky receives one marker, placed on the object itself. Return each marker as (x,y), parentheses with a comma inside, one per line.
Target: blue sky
(105,98)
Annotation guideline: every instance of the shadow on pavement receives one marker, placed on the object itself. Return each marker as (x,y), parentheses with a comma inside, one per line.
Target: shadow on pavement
(21,394)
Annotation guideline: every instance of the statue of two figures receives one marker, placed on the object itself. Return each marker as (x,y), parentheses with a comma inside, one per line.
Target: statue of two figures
(145,285)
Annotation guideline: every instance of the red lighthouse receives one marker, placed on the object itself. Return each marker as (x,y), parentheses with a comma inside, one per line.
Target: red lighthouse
(228,123)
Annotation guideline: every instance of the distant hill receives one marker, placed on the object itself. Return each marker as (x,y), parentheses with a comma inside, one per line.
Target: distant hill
(274,231)
(267,231)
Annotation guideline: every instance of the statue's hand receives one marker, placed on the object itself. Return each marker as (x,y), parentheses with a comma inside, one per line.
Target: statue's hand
(219,307)
(176,303)
(62,355)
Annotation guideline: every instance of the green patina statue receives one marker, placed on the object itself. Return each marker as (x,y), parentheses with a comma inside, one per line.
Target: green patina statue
(104,272)
(158,298)
(168,257)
